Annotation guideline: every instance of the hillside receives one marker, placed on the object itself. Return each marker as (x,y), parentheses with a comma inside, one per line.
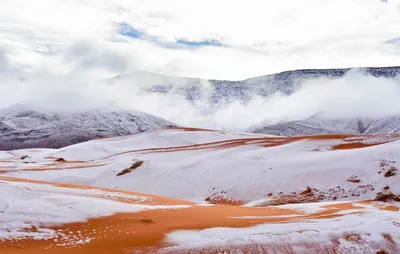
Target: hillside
(207,166)
(30,127)
(191,190)
(318,124)
(217,91)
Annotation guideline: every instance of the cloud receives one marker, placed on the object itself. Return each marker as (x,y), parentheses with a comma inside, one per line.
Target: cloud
(354,95)
(57,53)
(210,39)
(88,55)
(4,64)
(200,43)
(127,30)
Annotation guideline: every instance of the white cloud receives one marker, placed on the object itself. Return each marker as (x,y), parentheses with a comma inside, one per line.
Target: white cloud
(65,48)
(354,95)
(258,37)
(85,55)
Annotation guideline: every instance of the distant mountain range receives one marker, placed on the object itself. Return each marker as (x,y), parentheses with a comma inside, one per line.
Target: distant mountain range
(319,124)
(216,91)
(27,127)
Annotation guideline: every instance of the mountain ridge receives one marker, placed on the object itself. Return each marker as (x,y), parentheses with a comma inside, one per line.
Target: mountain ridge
(216,91)
(317,125)
(29,127)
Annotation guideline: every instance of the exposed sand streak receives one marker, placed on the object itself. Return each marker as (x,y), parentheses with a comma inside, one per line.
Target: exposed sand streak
(147,229)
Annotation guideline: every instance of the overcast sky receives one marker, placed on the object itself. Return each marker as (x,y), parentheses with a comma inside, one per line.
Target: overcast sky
(224,39)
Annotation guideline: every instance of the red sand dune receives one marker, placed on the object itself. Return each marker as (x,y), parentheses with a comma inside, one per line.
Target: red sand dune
(145,231)
(346,142)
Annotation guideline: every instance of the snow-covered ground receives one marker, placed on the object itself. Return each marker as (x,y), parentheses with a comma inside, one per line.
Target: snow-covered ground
(63,217)
(81,195)
(28,209)
(352,233)
(197,164)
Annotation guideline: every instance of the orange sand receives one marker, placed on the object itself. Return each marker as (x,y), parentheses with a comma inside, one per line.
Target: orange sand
(146,230)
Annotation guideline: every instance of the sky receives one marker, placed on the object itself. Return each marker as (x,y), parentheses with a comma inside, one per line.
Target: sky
(58,53)
(207,39)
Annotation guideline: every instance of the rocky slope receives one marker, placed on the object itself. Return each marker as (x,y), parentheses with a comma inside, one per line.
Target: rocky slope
(27,127)
(215,91)
(323,125)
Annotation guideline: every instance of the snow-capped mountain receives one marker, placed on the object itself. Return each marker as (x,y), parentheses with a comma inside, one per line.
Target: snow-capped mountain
(385,125)
(29,127)
(287,96)
(22,127)
(215,91)
(319,124)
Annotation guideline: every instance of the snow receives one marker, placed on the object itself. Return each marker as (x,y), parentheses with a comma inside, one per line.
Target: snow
(193,165)
(25,126)
(25,206)
(243,172)
(370,223)
(322,124)
(97,149)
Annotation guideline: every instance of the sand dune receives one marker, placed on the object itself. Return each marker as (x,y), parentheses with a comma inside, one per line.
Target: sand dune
(148,227)
(193,165)
(202,191)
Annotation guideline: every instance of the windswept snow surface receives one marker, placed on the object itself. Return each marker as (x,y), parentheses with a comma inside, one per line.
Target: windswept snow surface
(52,198)
(28,210)
(62,217)
(197,164)
(357,231)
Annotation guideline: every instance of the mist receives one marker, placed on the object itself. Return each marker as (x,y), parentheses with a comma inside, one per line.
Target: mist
(354,95)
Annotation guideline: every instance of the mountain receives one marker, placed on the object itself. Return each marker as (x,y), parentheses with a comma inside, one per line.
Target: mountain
(216,91)
(319,124)
(213,98)
(385,125)
(27,127)
(22,127)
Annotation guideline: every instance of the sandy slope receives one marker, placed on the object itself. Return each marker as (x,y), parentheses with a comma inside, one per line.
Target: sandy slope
(225,167)
(131,222)
(82,204)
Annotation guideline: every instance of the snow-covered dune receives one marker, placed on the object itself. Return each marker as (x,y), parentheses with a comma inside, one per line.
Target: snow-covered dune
(44,217)
(28,208)
(181,190)
(214,166)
